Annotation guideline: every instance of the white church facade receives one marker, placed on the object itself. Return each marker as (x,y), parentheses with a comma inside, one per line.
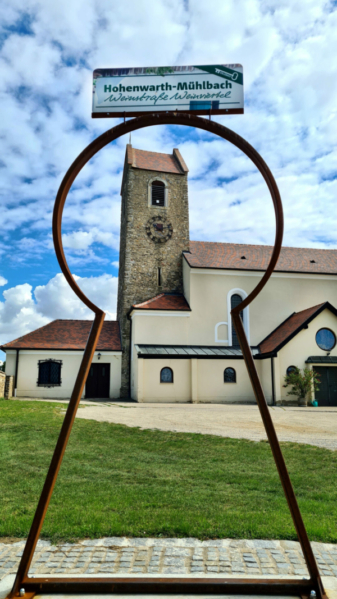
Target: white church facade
(173,340)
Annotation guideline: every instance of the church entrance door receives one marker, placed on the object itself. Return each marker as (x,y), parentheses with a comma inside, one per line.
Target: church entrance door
(327,394)
(98,381)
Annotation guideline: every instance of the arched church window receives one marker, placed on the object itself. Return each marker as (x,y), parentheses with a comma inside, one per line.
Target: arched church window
(229,375)
(158,193)
(166,375)
(236,299)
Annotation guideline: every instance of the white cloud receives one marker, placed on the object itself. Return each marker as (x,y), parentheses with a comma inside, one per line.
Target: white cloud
(18,313)
(79,240)
(25,309)
(82,240)
(235,31)
(38,62)
(289,54)
(56,298)
(3,281)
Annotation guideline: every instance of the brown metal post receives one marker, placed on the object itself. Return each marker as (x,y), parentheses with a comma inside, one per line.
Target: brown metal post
(219,586)
(60,448)
(277,453)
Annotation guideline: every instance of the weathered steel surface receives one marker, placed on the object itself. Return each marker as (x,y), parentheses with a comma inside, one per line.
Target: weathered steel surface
(209,112)
(60,448)
(186,586)
(172,586)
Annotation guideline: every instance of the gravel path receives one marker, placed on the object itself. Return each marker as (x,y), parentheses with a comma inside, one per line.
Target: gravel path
(133,556)
(313,426)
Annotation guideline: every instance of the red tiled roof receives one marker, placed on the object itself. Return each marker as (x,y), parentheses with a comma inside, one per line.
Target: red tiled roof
(205,254)
(68,334)
(164,301)
(290,327)
(155,161)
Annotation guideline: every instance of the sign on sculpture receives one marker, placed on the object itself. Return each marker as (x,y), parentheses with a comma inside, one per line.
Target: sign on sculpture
(205,89)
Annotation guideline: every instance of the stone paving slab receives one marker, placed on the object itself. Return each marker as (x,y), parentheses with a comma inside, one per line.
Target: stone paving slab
(121,555)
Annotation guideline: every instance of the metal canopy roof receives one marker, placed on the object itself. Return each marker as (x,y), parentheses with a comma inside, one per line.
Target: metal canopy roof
(191,351)
(321,360)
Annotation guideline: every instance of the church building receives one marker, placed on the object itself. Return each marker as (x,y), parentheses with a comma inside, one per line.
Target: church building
(173,340)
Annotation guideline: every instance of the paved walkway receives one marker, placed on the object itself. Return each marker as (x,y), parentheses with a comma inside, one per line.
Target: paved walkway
(169,556)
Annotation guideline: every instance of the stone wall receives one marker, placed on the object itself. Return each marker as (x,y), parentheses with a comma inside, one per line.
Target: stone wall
(140,256)
(2,383)
(9,387)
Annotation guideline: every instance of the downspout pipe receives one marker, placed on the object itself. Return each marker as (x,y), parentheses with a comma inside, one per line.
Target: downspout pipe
(130,364)
(272,381)
(16,372)
(130,349)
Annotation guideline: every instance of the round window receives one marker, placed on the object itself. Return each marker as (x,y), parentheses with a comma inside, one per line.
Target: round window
(325,339)
(291,369)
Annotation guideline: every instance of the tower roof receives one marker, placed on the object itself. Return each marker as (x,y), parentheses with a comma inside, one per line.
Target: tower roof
(164,301)
(155,161)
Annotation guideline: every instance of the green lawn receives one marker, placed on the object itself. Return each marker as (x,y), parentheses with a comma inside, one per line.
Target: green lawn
(123,481)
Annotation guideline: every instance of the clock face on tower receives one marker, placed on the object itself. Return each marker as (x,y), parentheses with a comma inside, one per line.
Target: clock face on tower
(159,229)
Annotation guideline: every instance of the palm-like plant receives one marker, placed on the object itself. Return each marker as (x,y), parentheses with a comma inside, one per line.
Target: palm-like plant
(302,382)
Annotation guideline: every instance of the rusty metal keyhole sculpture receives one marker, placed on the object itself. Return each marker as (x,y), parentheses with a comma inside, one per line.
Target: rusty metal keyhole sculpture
(165,585)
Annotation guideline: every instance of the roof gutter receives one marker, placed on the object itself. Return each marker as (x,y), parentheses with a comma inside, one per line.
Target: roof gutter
(257,270)
(271,354)
(64,349)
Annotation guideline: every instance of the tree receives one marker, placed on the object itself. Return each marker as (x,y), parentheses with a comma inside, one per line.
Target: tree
(302,382)
(160,70)
(3,367)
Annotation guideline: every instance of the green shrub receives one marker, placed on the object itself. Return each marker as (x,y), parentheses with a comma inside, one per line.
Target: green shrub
(302,382)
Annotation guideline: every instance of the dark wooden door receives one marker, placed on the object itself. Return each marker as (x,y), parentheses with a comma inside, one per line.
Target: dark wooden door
(327,394)
(98,381)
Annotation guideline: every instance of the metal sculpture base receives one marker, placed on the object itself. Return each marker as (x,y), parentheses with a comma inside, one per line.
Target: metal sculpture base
(164,586)
(174,586)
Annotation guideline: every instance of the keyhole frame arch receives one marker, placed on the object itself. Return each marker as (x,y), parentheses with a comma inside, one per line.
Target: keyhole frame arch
(149,121)
(155,585)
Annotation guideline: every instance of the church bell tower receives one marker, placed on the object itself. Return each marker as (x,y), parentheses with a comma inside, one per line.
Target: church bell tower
(154,233)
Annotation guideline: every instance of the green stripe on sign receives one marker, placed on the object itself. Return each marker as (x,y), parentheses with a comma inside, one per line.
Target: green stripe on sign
(221,71)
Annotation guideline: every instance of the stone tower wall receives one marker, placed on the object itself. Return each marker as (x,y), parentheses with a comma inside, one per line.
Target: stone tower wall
(140,257)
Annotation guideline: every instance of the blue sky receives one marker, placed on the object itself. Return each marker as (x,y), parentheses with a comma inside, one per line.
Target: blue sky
(47,54)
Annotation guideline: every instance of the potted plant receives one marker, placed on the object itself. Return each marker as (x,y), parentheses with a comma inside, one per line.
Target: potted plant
(302,382)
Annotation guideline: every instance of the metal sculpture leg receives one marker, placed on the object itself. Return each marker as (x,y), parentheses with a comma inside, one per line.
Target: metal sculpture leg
(277,453)
(155,585)
(57,458)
